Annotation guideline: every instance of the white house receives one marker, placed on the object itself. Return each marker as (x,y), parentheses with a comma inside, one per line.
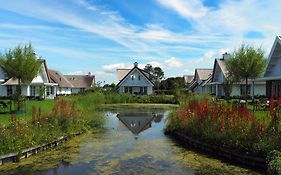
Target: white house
(71,84)
(201,78)
(134,81)
(218,82)
(30,89)
(272,74)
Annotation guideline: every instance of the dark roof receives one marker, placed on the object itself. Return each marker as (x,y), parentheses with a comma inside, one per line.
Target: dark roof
(81,81)
(59,78)
(142,71)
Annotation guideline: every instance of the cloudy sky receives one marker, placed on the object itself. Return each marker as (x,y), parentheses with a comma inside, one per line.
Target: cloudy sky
(98,36)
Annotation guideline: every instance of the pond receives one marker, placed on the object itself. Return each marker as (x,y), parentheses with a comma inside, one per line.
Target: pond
(133,142)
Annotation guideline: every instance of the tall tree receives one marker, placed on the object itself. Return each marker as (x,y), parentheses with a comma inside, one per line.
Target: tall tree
(20,63)
(246,63)
(158,73)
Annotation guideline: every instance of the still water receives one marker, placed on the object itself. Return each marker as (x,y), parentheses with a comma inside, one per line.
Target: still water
(131,143)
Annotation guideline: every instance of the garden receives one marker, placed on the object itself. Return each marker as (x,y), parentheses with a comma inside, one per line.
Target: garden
(232,127)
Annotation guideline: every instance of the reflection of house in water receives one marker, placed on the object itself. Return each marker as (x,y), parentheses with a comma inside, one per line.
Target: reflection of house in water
(135,123)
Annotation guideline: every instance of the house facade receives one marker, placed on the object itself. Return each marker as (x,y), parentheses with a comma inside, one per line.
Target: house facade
(272,74)
(39,87)
(200,81)
(218,82)
(71,84)
(134,81)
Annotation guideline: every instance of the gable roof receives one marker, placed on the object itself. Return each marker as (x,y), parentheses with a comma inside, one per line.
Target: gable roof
(204,74)
(121,73)
(58,77)
(81,81)
(14,81)
(274,54)
(144,73)
(219,63)
(188,78)
(209,79)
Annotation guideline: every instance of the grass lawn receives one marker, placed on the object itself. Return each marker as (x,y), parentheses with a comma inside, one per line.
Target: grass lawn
(45,106)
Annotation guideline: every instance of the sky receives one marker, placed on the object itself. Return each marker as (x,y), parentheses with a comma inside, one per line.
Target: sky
(99,36)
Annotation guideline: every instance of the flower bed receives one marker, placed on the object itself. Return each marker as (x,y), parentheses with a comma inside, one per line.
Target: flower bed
(228,126)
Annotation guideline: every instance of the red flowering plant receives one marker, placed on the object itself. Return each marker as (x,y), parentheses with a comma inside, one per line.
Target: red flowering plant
(229,125)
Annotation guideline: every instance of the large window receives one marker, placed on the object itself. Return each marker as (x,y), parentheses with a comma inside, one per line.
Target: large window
(32,91)
(145,90)
(49,90)
(9,90)
(243,89)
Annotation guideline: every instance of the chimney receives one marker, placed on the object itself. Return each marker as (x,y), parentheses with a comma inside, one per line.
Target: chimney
(225,56)
(136,64)
(89,73)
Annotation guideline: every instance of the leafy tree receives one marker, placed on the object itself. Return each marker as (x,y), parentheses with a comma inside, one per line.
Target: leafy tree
(20,63)
(148,68)
(246,63)
(156,73)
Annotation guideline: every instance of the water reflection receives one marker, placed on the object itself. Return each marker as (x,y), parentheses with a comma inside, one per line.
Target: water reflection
(114,151)
(136,123)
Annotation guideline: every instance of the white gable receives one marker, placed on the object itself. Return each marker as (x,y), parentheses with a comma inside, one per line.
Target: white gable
(273,67)
(135,78)
(218,74)
(42,77)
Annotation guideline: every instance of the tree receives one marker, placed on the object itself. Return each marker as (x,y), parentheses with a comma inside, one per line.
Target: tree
(20,63)
(156,73)
(246,63)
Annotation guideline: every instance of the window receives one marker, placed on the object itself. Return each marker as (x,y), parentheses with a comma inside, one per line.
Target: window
(82,89)
(130,90)
(32,91)
(132,76)
(243,89)
(48,91)
(141,90)
(126,90)
(9,90)
(145,90)
(139,77)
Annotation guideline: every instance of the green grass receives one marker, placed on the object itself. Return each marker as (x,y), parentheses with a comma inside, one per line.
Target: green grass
(45,106)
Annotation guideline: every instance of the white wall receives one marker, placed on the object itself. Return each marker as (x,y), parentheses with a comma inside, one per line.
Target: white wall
(136,83)
(63,91)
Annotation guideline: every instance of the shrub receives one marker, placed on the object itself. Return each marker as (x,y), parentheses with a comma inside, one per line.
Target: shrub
(274,163)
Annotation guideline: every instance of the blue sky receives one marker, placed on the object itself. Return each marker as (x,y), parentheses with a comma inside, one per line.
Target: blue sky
(99,36)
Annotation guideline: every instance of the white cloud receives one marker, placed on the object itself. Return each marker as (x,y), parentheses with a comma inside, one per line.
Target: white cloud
(111,68)
(79,72)
(173,63)
(186,8)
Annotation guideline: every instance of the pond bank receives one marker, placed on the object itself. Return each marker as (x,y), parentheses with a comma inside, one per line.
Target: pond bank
(257,163)
(116,150)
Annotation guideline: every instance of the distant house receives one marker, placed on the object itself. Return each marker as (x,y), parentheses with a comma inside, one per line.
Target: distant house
(71,84)
(272,74)
(30,89)
(134,81)
(188,79)
(201,78)
(218,82)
